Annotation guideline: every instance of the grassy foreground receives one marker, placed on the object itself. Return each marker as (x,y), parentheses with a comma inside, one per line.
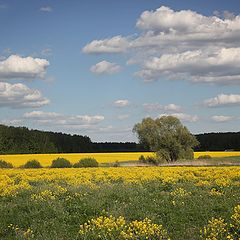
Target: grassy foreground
(46,159)
(178,202)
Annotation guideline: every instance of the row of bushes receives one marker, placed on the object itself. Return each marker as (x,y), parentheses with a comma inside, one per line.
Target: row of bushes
(155,160)
(57,163)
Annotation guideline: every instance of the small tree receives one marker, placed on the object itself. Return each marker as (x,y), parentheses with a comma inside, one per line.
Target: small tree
(86,162)
(4,164)
(61,163)
(167,137)
(32,164)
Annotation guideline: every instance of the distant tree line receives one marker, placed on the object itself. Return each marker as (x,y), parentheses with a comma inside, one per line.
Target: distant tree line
(218,141)
(15,140)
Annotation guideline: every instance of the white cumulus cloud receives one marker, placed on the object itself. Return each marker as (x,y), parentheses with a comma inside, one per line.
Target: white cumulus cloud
(180,45)
(115,44)
(17,67)
(158,107)
(57,119)
(223,100)
(105,67)
(121,103)
(182,117)
(221,66)
(221,118)
(20,96)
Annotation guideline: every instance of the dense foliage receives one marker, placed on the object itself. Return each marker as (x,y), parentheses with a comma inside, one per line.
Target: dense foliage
(4,164)
(167,137)
(32,164)
(86,162)
(22,140)
(61,163)
(218,141)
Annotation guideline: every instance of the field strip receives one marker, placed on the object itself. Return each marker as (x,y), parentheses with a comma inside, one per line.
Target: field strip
(46,159)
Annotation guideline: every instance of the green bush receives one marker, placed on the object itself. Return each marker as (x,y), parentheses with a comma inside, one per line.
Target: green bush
(204,157)
(61,163)
(152,160)
(86,162)
(4,164)
(155,160)
(32,164)
(142,159)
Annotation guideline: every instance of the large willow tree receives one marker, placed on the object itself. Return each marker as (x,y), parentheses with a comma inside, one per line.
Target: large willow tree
(167,137)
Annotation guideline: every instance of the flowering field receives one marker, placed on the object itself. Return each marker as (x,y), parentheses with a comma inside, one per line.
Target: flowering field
(121,203)
(46,159)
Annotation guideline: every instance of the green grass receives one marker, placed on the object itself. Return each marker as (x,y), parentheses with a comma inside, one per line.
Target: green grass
(59,218)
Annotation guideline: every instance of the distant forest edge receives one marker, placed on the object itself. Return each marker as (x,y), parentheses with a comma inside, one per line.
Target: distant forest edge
(15,140)
(21,140)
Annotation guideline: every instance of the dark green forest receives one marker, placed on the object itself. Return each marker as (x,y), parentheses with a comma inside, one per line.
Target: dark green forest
(218,141)
(15,140)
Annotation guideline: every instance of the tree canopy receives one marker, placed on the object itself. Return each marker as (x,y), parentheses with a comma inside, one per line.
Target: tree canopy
(167,137)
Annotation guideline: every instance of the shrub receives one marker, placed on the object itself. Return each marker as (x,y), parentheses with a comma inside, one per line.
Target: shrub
(86,162)
(4,164)
(61,163)
(32,164)
(204,157)
(142,159)
(152,160)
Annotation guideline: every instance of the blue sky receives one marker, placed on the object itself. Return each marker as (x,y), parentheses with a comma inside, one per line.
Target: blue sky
(98,67)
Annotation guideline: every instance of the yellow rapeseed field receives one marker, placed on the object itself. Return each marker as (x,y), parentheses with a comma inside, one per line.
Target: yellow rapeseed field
(46,159)
(13,180)
(218,154)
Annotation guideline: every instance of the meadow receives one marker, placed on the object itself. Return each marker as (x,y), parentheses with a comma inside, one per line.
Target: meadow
(139,203)
(46,159)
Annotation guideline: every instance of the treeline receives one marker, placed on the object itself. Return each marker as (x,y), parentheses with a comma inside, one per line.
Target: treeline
(15,140)
(218,141)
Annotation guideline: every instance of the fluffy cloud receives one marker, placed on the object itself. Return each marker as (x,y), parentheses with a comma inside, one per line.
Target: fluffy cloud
(165,18)
(168,21)
(121,103)
(183,117)
(186,29)
(181,45)
(116,44)
(57,119)
(176,29)
(46,9)
(158,107)
(223,100)
(17,67)
(221,118)
(20,96)
(221,66)
(105,67)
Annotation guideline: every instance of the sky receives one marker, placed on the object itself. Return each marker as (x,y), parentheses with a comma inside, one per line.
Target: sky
(97,68)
